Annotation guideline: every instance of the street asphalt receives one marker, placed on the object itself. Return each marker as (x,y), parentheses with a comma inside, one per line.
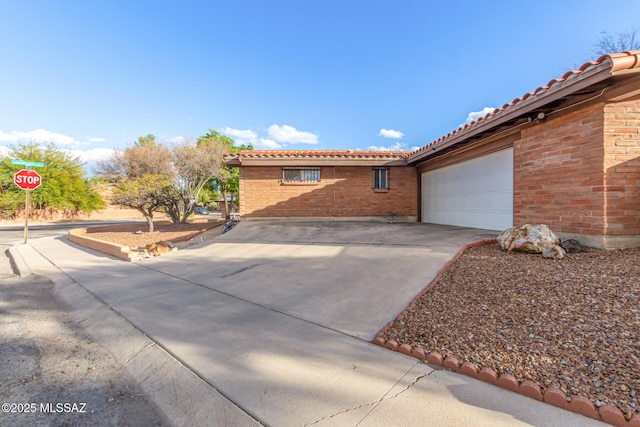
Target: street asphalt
(270,324)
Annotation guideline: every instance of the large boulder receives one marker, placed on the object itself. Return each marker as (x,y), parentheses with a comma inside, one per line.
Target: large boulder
(528,238)
(160,248)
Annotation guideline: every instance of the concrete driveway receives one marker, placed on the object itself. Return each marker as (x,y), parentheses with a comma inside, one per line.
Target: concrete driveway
(351,277)
(269,325)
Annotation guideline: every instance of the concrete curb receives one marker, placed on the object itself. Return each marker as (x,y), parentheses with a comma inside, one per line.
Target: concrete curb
(578,404)
(18,261)
(183,396)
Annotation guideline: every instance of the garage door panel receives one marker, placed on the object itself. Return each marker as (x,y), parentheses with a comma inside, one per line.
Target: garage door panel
(477,193)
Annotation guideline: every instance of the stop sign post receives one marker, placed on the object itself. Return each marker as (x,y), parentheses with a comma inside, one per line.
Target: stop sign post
(27,179)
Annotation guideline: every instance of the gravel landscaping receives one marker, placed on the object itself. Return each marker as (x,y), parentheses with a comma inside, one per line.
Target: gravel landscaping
(572,324)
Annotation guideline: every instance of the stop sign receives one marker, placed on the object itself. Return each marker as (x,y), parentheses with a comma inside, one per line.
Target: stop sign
(27,179)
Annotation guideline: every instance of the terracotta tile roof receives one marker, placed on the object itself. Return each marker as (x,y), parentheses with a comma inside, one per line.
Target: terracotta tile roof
(320,154)
(615,63)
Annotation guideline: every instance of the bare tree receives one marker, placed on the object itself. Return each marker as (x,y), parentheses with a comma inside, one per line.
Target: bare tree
(194,165)
(135,162)
(618,42)
(609,43)
(141,174)
(144,194)
(150,176)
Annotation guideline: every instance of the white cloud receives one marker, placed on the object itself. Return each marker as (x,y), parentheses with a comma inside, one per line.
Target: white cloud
(289,135)
(4,151)
(266,144)
(390,133)
(278,137)
(38,135)
(475,115)
(97,140)
(398,146)
(91,156)
(177,140)
(246,135)
(243,136)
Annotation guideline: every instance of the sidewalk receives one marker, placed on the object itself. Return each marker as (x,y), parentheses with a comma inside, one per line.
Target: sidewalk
(209,358)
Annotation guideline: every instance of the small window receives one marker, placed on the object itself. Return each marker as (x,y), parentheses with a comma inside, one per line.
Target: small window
(301,175)
(381,179)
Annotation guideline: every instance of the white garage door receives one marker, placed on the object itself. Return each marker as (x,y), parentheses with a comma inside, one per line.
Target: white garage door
(477,193)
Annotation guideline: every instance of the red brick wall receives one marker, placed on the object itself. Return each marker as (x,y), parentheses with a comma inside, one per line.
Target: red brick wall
(341,192)
(621,189)
(580,172)
(558,173)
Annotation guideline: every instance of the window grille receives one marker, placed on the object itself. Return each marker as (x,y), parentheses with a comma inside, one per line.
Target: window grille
(301,175)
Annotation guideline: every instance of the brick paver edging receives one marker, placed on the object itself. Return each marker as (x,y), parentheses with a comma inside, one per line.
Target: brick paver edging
(556,397)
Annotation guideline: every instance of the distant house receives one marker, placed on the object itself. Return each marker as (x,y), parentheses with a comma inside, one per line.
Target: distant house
(358,185)
(566,155)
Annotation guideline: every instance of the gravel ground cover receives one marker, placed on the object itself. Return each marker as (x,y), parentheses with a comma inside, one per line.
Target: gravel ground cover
(136,236)
(572,324)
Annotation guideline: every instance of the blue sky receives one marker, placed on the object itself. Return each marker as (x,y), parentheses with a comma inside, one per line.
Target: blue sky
(94,75)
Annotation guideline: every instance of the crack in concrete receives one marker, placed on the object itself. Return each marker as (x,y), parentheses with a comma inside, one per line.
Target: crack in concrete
(242,270)
(151,344)
(153,372)
(374,403)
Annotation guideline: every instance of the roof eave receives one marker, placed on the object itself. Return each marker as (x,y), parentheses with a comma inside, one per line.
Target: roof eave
(232,160)
(572,84)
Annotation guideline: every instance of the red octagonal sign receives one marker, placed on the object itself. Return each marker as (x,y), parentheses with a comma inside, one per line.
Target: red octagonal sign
(27,179)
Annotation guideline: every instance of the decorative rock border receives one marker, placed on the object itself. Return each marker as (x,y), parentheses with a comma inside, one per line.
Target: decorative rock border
(553,396)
